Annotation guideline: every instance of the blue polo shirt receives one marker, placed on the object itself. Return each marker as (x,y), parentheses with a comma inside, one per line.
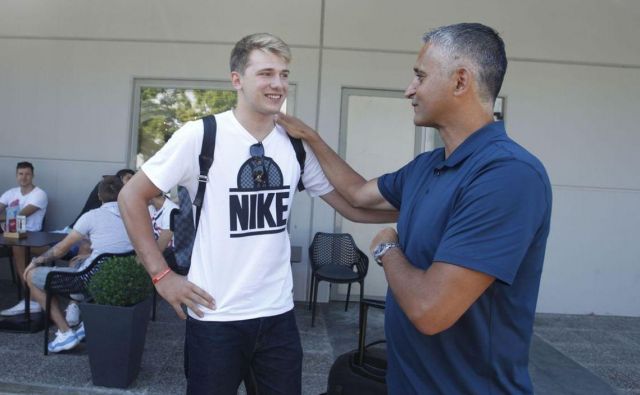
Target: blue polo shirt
(486,208)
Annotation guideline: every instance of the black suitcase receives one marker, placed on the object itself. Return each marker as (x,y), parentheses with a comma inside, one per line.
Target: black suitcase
(361,371)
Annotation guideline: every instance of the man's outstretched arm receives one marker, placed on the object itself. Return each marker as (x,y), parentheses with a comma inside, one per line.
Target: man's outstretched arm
(355,214)
(174,288)
(352,186)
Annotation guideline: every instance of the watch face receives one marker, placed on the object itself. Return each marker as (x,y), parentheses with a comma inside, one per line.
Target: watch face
(379,251)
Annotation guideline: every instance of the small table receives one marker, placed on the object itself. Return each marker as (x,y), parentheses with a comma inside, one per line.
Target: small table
(33,239)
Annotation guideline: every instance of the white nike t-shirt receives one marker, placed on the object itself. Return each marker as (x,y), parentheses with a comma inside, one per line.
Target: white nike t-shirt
(242,251)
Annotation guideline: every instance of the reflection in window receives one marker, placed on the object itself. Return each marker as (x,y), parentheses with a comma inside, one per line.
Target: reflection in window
(162,111)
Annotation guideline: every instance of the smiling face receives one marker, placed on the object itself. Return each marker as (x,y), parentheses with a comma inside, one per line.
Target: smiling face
(431,89)
(264,85)
(24,176)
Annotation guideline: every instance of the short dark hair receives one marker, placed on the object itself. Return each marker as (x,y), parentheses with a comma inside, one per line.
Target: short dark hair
(109,188)
(24,165)
(123,172)
(478,44)
(261,41)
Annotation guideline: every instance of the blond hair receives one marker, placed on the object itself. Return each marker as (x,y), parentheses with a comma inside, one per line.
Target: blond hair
(261,41)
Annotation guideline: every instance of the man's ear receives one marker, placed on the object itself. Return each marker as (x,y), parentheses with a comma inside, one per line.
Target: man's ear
(462,80)
(236,80)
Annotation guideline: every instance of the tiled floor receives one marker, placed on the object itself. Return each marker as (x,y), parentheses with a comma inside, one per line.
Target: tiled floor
(570,354)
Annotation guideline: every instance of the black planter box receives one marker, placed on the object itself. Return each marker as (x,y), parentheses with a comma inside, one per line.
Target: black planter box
(115,341)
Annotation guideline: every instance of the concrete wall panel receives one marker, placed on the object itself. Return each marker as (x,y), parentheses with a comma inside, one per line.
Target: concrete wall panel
(568,30)
(162,20)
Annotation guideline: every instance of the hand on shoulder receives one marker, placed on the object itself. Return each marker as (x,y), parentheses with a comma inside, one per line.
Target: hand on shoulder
(295,127)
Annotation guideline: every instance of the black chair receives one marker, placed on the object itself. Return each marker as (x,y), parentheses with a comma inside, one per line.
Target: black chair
(335,258)
(66,283)
(5,252)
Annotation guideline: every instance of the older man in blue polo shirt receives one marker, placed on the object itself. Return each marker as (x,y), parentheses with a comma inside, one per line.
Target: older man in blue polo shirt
(464,266)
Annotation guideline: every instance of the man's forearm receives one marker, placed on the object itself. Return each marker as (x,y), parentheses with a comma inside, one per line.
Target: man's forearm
(406,283)
(28,210)
(346,180)
(433,299)
(51,254)
(417,294)
(372,216)
(357,191)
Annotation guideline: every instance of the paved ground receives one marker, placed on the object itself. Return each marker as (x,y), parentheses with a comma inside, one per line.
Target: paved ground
(570,354)
(606,346)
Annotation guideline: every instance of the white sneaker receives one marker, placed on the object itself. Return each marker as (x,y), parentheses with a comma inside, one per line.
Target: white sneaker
(63,341)
(79,331)
(72,314)
(19,308)
(15,310)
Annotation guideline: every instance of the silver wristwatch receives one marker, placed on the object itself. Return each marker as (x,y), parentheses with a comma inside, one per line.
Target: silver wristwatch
(382,249)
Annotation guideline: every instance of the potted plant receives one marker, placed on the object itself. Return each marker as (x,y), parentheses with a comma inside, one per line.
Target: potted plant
(116,324)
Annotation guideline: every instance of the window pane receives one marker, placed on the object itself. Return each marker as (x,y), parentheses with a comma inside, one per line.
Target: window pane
(165,110)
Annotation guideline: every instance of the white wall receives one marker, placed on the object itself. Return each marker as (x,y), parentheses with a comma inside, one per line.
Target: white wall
(67,72)
(572,87)
(580,120)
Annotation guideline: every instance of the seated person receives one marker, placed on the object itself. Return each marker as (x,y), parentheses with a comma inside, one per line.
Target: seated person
(33,204)
(160,209)
(84,247)
(107,233)
(93,201)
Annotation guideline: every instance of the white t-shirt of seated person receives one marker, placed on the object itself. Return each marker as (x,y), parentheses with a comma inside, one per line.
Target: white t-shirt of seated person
(105,229)
(161,219)
(241,254)
(37,197)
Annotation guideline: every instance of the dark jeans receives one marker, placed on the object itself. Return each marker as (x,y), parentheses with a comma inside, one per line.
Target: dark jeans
(267,351)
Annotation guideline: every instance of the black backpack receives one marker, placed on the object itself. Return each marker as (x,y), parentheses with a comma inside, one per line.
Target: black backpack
(182,223)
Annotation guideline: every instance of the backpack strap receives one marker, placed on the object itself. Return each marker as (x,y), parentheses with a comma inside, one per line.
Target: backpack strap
(301,155)
(206,160)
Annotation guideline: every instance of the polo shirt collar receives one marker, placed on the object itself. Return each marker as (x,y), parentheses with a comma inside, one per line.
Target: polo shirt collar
(474,142)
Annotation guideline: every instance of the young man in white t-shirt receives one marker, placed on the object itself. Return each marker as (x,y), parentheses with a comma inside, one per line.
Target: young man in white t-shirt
(105,229)
(32,202)
(239,287)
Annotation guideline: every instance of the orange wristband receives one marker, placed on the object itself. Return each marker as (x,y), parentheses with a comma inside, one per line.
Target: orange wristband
(160,275)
